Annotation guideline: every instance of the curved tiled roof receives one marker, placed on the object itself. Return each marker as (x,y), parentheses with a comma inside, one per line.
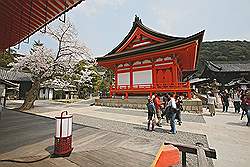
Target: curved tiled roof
(138,23)
(6,74)
(155,47)
(227,66)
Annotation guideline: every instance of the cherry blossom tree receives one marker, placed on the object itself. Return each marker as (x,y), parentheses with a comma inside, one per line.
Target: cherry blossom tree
(45,64)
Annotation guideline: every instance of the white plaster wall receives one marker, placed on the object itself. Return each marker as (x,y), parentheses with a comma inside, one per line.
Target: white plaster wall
(123,78)
(44,95)
(142,77)
(41,96)
(50,94)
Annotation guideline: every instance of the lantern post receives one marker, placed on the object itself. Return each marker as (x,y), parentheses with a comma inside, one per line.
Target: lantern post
(63,136)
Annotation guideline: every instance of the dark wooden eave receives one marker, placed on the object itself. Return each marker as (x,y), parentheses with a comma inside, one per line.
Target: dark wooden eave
(20,19)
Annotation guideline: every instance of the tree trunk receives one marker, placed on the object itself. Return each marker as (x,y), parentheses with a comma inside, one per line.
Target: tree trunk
(31,96)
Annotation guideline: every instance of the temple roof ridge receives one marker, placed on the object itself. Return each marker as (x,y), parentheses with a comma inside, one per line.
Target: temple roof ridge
(138,23)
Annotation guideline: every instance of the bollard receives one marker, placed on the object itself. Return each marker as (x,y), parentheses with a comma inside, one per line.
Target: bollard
(63,136)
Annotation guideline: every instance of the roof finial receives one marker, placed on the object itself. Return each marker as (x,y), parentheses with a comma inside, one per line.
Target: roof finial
(137,19)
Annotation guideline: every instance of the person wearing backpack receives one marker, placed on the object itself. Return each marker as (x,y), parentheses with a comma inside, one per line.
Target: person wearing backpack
(151,114)
(179,108)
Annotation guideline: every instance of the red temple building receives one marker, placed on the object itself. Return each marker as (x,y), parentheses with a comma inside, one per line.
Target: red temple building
(148,62)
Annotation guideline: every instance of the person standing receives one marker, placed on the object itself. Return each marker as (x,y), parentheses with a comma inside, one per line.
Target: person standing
(179,109)
(166,98)
(172,113)
(151,114)
(248,108)
(236,100)
(211,103)
(224,100)
(157,103)
(244,106)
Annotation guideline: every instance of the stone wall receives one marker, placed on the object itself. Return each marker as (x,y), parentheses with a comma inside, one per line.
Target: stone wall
(193,105)
(126,103)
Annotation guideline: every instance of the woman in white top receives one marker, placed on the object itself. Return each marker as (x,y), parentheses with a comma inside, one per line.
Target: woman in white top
(236,100)
(211,104)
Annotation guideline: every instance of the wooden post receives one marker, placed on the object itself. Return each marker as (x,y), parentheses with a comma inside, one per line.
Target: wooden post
(116,78)
(201,156)
(153,74)
(184,159)
(131,76)
(189,91)
(197,149)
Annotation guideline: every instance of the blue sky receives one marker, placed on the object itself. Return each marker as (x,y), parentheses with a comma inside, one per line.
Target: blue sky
(102,24)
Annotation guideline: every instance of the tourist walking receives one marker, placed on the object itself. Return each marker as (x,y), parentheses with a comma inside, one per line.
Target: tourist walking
(151,114)
(236,100)
(165,112)
(244,106)
(224,100)
(211,103)
(179,109)
(157,103)
(248,117)
(248,110)
(172,113)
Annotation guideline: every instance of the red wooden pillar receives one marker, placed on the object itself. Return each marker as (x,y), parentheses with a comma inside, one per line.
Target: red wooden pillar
(116,78)
(189,92)
(153,74)
(131,76)
(175,72)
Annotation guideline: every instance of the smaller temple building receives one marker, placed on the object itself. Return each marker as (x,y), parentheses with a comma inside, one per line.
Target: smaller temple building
(226,71)
(148,62)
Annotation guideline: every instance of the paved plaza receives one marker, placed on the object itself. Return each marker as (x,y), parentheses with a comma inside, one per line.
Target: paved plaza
(103,135)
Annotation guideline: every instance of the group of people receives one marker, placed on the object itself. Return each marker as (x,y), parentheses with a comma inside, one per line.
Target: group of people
(170,107)
(240,101)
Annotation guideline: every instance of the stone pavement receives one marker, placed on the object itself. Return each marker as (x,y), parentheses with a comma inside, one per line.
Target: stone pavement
(225,131)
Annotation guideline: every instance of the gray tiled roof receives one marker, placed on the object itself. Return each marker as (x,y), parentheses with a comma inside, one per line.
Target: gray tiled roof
(6,74)
(219,66)
(239,81)
(8,83)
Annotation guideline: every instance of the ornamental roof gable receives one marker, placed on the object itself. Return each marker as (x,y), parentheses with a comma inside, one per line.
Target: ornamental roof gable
(141,36)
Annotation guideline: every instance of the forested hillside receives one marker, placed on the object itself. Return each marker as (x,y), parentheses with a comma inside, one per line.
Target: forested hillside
(224,51)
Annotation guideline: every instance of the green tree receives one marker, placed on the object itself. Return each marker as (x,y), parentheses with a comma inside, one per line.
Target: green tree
(6,58)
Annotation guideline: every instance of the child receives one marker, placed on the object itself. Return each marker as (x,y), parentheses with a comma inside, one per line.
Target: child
(151,113)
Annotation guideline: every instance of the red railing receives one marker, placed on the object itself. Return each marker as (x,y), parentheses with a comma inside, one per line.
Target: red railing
(169,85)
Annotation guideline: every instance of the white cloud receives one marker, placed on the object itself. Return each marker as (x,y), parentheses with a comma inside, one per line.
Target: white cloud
(93,7)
